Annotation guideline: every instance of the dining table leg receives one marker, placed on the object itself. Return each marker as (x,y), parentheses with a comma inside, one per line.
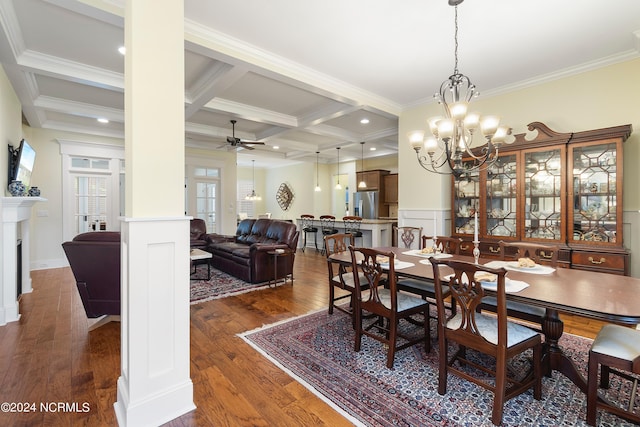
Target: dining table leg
(554,359)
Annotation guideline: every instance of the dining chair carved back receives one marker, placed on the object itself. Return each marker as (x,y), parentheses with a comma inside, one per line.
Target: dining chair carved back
(488,334)
(444,244)
(539,253)
(340,276)
(616,350)
(308,227)
(408,237)
(548,254)
(387,305)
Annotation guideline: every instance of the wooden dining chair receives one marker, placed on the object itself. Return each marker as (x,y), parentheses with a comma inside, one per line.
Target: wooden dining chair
(538,252)
(408,237)
(546,254)
(340,277)
(446,245)
(387,305)
(488,334)
(616,350)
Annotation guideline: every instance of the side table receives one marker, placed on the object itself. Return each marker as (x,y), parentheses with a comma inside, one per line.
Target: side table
(275,255)
(198,256)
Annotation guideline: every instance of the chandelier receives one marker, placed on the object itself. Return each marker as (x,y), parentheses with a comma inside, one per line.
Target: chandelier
(253,196)
(453,134)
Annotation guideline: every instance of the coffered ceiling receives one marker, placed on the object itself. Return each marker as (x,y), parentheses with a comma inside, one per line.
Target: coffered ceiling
(301,75)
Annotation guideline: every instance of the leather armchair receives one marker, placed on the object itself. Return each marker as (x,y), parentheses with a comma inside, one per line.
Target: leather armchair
(94,258)
(198,234)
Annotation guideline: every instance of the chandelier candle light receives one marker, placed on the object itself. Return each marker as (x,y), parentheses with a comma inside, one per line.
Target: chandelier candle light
(453,134)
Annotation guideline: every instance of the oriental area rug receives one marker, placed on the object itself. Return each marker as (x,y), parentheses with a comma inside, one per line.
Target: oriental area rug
(220,285)
(317,351)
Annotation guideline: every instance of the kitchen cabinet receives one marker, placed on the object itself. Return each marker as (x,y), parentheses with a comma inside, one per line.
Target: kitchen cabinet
(558,188)
(373,179)
(391,188)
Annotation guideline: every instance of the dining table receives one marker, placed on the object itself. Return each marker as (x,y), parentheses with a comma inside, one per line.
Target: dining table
(594,295)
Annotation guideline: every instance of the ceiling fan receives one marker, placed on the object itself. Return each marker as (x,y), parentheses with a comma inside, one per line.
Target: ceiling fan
(237,142)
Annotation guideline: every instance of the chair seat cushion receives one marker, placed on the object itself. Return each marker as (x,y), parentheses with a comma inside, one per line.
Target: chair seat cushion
(420,287)
(488,328)
(405,301)
(617,341)
(348,279)
(310,229)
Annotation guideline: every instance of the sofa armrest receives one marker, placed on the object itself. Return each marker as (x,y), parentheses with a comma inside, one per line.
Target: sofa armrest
(266,247)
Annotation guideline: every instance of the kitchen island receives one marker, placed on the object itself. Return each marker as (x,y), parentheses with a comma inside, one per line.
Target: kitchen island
(375,232)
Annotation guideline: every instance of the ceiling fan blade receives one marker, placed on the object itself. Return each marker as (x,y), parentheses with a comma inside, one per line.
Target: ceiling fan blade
(248,147)
(252,142)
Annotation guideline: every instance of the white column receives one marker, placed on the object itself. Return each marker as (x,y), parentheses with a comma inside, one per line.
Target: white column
(154,386)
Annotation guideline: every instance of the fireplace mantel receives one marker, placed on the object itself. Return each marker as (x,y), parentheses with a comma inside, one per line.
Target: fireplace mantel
(14,212)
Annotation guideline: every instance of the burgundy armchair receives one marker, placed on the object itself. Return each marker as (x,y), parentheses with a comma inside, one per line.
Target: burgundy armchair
(94,258)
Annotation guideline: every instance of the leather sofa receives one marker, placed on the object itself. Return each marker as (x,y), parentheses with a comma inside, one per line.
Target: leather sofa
(94,258)
(198,234)
(245,255)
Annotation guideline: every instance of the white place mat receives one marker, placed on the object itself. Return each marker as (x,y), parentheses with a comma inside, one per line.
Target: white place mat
(510,286)
(398,265)
(513,266)
(416,252)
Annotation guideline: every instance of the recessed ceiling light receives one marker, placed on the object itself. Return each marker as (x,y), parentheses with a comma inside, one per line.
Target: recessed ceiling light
(103,120)
(364,121)
(276,147)
(122,50)
(372,149)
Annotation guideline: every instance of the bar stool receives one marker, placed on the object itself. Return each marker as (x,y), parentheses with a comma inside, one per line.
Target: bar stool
(328,226)
(308,227)
(352,226)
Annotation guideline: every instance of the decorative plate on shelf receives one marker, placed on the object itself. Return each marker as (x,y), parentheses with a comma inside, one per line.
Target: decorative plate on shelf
(284,196)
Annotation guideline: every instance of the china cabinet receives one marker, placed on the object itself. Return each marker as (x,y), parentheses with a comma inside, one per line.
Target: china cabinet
(557,188)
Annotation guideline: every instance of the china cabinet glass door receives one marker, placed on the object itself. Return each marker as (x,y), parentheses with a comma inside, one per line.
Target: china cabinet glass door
(595,183)
(543,194)
(466,202)
(501,206)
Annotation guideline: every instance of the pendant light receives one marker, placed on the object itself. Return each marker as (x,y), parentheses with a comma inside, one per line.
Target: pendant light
(338,186)
(362,184)
(317,173)
(253,196)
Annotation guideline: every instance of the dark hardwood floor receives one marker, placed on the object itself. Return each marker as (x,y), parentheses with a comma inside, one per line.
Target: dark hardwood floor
(50,356)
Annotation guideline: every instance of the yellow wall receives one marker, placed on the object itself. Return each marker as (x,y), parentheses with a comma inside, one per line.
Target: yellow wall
(605,97)
(10,125)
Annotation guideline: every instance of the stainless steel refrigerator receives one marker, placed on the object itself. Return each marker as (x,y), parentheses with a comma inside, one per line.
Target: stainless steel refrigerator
(365,204)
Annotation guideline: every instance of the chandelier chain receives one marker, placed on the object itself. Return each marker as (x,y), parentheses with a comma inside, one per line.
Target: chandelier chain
(455,68)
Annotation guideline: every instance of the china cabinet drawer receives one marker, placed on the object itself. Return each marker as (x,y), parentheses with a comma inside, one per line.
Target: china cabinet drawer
(616,263)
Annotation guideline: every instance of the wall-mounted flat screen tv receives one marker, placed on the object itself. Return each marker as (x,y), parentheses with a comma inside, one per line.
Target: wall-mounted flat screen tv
(23,165)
